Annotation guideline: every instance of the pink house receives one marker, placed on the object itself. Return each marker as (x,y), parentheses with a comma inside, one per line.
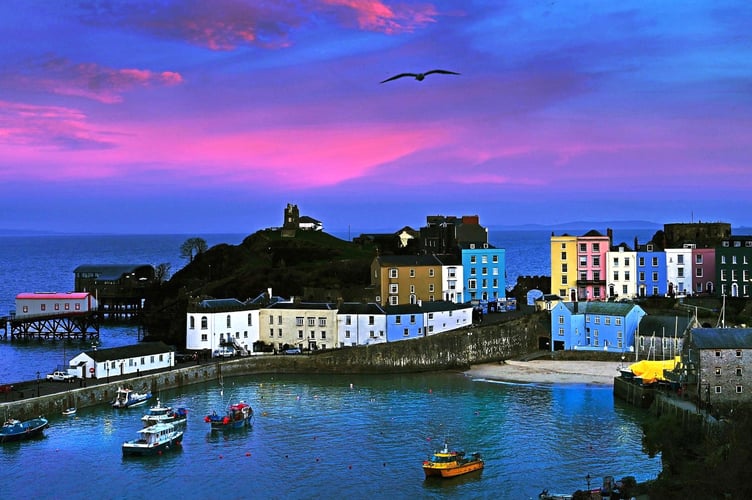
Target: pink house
(591,265)
(703,270)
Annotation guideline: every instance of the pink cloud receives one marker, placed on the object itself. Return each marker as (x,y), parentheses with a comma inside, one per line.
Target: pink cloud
(374,15)
(29,128)
(61,76)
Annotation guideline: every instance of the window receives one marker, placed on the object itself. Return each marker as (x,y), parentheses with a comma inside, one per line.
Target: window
(596,247)
(616,275)
(641,261)
(698,272)
(67,306)
(617,321)
(279,319)
(718,389)
(406,332)
(627,276)
(583,247)
(393,301)
(430,288)
(78,306)
(323,334)
(473,259)
(596,261)
(300,334)
(607,320)
(299,320)
(471,284)
(597,320)
(229,321)
(738,353)
(250,319)
(271,319)
(717,371)
(561,320)
(43,307)
(412,288)
(680,259)
(279,332)
(311,321)
(626,261)
(393,273)
(192,323)
(204,323)
(412,319)
(698,259)
(561,332)
(347,334)
(642,276)
(738,389)
(431,273)
(495,258)
(348,320)
(738,371)
(398,320)
(583,261)
(654,278)
(322,321)
(393,288)
(371,320)
(717,354)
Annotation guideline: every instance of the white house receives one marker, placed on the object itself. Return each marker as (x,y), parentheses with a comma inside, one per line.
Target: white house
(222,322)
(452,280)
(441,316)
(128,360)
(360,324)
(679,270)
(621,272)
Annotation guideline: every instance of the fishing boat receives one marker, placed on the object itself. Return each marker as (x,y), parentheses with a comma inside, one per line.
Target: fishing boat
(15,430)
(160,413)
(154,440)
(446,463)
(70,411)
(238,415)
(127,398)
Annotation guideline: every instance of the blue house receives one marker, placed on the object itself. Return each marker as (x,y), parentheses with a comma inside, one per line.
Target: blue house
(404,322)
(484,273)
(595,326)
(652,275)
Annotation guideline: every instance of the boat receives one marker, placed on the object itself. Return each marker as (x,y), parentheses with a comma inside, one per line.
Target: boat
(238,415)
(15,430)
(154,440)
(127,398)
(159,413)
(70,411)
(446,463)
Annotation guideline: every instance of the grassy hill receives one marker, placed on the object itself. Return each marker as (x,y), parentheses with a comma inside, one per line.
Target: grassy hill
(312,265)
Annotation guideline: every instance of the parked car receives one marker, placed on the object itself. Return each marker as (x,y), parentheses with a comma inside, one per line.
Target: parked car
(60,376)
(294,350)
(224,352)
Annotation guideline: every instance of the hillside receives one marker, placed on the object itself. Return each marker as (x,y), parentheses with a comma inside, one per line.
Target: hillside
(313,266)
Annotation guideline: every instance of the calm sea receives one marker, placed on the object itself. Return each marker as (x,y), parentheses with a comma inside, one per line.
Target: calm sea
(343,437)
(314,436)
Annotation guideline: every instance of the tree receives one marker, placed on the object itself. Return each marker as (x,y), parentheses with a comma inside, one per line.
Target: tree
(162,272)
(192,247)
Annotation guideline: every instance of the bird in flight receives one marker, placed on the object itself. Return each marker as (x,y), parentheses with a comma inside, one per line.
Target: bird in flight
(421,76)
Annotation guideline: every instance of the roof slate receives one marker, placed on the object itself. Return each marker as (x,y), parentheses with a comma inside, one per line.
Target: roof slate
(722,338)
(129,351)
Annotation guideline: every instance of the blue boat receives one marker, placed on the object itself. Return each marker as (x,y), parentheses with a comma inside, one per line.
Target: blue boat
(15,430)
(238,415)
(127,397)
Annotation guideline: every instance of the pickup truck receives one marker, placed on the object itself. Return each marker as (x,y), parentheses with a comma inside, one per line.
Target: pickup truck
(60,376)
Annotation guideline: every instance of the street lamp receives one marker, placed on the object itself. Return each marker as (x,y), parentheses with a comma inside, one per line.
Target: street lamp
(587,478)
(37,384)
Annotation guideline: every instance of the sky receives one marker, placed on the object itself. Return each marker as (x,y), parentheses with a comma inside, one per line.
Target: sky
(194,116)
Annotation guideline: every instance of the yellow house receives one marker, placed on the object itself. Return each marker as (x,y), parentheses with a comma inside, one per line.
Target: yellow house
(406,279)
(303,325)
(564,266)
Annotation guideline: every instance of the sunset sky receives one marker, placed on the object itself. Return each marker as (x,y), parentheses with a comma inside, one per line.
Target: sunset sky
(195,116)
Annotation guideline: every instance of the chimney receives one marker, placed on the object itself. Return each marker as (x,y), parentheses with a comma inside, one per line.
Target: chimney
(610,233)
(269,292)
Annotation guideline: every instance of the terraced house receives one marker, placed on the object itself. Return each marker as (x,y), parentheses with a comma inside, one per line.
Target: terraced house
(299,324)
(406,279)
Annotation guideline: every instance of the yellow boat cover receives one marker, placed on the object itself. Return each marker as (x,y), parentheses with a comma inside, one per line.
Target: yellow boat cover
(652,371)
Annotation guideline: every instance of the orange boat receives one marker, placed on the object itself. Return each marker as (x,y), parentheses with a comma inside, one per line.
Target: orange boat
(447,463)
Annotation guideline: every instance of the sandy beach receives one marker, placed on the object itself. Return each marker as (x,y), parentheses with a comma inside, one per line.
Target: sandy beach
(549,371)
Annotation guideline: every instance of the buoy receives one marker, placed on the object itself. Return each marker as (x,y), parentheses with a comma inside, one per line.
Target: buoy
(349,467)
(317,459)
(247,454)
(220,457)
(351,386)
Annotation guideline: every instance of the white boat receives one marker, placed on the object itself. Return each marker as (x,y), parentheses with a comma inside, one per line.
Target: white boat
(161,414)
(154,440)
(70,411)
(127,397)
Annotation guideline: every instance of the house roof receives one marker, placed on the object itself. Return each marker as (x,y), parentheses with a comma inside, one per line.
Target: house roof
(606,308)
(52,295)
(220,303)
(403,309)
(109,271)
(308,220)
(664,326)
(320,306)
(129,351)
(360,308)
(408,260)
(443,305)
(722,338)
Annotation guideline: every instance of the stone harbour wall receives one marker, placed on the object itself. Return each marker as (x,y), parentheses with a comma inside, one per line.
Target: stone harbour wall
(446,351)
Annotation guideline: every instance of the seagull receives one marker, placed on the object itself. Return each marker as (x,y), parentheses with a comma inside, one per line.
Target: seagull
(421,76)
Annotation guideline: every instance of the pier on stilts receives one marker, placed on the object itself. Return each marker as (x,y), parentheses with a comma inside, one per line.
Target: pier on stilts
(82,326)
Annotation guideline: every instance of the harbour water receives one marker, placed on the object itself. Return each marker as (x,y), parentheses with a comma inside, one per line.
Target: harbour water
(355,437)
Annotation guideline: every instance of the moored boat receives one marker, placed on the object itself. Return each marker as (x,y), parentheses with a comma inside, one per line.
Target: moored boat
(238,415)
(446,463)
(15,430)
(127,397)
(159,413)
(70,411)
(154,440)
